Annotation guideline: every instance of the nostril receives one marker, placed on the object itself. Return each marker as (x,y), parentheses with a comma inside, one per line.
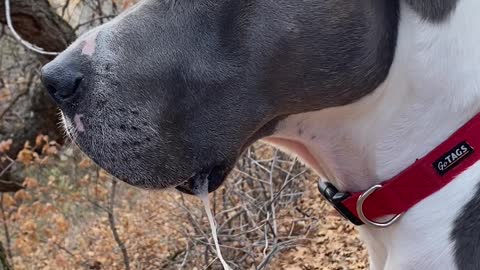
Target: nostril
(64,77)
(78,80)
(61,84)
(50,88)
(70,87)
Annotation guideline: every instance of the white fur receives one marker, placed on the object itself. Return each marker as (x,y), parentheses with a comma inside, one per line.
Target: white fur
(78,122)
(433,88)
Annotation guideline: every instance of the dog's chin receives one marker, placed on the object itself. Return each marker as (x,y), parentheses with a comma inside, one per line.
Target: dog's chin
(207,180)
(210,178)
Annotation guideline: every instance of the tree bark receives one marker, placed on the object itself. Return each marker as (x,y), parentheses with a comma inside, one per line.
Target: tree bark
(36,22)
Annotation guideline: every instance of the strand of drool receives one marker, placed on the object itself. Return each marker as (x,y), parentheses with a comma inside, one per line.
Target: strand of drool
(203,195)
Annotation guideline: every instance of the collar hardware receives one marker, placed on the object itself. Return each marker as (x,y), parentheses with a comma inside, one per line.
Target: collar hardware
(422,178)
(336,199)
(366,220)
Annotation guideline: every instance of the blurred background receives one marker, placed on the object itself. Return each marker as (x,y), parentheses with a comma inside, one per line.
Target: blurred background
(58,210)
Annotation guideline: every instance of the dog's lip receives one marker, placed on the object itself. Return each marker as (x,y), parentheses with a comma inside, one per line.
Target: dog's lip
(214,177)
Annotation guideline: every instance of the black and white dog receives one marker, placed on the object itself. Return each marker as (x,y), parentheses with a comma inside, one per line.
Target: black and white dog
(171,92)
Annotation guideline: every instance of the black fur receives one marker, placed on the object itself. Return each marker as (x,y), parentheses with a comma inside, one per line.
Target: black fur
(434,10)
(466,235)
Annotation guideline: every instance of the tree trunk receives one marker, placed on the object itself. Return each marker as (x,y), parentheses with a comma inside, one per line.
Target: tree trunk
(37,23)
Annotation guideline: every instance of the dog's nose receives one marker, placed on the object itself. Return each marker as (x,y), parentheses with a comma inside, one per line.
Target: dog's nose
(61,80)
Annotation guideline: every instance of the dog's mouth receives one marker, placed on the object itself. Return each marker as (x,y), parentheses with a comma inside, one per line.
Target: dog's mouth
(216,175)
(196,184)
(208,179)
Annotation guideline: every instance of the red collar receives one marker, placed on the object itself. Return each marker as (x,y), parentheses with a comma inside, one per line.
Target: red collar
(423,178)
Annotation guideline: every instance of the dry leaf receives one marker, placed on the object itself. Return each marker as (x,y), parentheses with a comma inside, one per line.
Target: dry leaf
(28,226)
(61,224)
(5,145)
(30,182)
(25,156)
(5,95)
(8,200)
(22,195)
(40,140)
(85,163)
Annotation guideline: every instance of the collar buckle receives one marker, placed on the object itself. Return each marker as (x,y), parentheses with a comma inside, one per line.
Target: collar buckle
(335,198)
(366,220)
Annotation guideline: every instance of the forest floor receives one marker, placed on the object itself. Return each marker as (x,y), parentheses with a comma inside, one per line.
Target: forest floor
(63,220)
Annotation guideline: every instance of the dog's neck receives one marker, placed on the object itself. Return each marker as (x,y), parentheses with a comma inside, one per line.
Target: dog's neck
(432,89)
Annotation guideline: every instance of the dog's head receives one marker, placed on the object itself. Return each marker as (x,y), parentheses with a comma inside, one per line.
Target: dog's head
(173,91)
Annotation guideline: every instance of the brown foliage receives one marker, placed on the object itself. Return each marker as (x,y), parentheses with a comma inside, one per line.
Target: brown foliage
(61,220)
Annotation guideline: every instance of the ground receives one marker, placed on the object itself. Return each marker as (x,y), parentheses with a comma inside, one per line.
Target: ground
(270,215)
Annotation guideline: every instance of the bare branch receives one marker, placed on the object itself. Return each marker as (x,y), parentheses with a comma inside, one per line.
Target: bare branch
(111,219)
(6,230)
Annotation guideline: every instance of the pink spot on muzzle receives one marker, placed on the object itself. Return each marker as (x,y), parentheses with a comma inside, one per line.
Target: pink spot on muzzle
(89,44)
(78,123)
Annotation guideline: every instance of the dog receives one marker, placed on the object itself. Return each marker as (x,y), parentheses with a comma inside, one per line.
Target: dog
(171,92)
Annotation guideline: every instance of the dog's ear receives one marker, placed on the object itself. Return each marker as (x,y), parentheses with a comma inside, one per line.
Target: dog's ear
(433,10)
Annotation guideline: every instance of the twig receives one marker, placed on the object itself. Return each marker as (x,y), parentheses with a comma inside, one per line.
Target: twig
(65,6)
(114,7)
(12,103)
(211,263)
(111,219)
(6,231)
(66,250)
(184,261)
(10,164)
(272,195)
(248,213)
(4,264)
(21,94)
(93,20)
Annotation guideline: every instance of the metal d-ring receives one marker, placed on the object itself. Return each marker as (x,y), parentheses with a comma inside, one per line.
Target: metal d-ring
(366,220)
